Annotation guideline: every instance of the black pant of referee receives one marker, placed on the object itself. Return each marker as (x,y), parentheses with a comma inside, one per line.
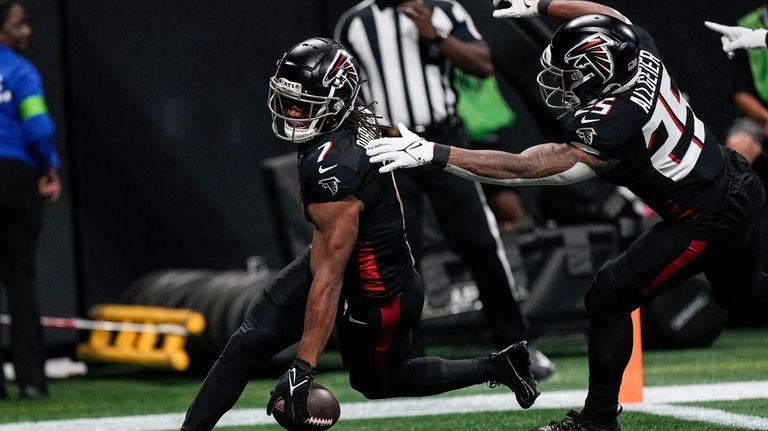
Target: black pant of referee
(20,221)
(468,226)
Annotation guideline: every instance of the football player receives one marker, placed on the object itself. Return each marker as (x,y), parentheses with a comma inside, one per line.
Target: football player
(625,121)
(358,272)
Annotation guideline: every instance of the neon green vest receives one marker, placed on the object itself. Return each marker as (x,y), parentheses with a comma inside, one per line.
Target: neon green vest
(758,58)
(481,105)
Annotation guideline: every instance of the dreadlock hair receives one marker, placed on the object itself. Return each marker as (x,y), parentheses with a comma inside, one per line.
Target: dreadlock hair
(362,117)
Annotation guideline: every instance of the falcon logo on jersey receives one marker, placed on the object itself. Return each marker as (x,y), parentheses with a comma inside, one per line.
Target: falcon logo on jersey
(331,184)
(586,134)
(342,71)
(593,53)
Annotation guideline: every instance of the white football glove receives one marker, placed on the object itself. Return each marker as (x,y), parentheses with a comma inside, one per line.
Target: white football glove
(517,9)
(735,37)
(408,151)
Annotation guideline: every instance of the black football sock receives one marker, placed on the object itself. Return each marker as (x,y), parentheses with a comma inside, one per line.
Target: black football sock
(610,346)
(601,404)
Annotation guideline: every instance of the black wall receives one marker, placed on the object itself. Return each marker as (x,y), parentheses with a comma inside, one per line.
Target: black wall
(169,123)
(161,107)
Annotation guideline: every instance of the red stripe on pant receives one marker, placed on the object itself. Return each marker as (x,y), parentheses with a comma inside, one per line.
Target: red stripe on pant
(693,250)
(390,317)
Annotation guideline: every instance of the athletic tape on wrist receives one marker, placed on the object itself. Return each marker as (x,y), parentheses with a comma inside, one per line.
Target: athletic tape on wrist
(440,155)
(543,6)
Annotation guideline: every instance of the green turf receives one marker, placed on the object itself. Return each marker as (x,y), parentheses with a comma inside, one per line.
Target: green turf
(493,421)
(738,355)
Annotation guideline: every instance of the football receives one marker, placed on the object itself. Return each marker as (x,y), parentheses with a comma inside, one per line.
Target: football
(323,406)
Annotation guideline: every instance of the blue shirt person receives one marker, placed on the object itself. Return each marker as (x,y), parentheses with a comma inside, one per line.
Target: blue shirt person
(28,176)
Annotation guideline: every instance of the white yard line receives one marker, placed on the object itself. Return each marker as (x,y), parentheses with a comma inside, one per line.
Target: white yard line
(656,402)
(701,414)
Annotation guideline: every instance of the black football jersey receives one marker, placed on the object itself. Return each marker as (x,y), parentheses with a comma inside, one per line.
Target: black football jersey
(668,157)
(335,166)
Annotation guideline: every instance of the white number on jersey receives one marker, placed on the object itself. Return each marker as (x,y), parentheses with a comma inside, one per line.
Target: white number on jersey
(670,114)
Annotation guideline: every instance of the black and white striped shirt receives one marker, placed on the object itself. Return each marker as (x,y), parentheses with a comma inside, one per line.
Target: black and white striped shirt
(408,77)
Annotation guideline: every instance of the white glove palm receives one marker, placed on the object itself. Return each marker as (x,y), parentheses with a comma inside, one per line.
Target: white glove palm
(408,151)
(734,37)
(516,9)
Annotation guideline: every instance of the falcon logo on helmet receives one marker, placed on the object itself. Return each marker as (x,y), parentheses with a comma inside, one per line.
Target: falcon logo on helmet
(342,71)
(593,52)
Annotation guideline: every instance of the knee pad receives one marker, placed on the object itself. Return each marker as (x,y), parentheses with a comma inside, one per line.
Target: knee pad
(615,282)
(605,279)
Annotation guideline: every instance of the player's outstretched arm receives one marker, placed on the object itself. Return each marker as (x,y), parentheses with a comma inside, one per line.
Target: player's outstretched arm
(562,9)
(544,164)
(735,37)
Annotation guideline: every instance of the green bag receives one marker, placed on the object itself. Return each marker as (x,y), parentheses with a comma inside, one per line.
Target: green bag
(480,105)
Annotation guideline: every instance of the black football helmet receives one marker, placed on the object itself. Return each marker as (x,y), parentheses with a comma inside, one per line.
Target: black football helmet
(313,90)
(588,58)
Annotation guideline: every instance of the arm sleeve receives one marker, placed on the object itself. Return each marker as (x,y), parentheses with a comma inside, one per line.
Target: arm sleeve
(463,26)
(36,122)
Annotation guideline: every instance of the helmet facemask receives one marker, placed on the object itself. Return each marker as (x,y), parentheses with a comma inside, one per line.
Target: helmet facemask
(557,85)
(571,88)
(313,90)
(286,100)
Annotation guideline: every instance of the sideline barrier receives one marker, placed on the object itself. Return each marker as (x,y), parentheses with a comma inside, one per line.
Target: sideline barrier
(142,335)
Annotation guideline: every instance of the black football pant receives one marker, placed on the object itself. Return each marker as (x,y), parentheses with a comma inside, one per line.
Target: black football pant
(471,231)
(20,221)
(660,260)
(374,340)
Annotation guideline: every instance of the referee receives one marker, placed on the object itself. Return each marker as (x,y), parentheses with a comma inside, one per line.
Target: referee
(407,50)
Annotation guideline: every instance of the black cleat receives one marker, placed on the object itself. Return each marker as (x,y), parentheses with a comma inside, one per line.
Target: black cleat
(574,422)
(514,363)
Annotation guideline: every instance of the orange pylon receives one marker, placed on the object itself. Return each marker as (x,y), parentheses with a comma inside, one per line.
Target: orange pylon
(631,391)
